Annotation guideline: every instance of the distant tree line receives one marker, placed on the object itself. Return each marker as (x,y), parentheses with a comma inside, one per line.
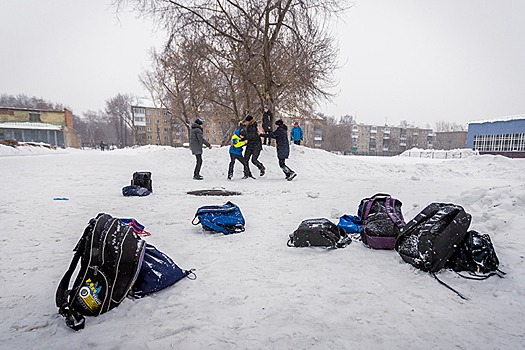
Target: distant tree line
(113,125)
(24,101)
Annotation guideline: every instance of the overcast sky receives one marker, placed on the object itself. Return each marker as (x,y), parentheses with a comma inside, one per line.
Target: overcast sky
(420,61)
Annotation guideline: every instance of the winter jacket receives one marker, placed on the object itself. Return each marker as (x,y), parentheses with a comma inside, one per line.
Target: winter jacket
(281,138)
(237,143)
(296,134)
(267,121)
(252,135)
(197,139)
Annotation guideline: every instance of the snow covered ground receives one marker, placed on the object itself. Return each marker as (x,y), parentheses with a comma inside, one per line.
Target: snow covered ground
(252,291)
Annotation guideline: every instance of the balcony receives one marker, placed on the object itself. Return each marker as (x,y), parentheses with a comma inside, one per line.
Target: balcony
(373,131)
(386,137)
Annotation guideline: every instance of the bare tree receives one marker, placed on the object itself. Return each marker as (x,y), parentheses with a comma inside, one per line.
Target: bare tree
(256,51)
(94,127)
(118,110)
(443,126)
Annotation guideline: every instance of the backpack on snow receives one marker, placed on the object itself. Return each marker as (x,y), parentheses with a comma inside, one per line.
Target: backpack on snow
(430,238)
(382,220)
(319,233)
(226,218)
(158,271)
(142,179)
(437,237)
(110,255)
(476,255)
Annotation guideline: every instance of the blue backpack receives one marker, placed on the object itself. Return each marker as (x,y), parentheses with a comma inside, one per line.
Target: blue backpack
(226,218)
(350,223)
(157,272)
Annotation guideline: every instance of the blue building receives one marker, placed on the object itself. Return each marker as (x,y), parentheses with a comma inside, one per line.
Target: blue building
(504,136)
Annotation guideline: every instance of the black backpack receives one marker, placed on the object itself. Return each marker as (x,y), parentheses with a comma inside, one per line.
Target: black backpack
(110,255)
(142,179)
(430,239)
(382,220)
(319,233)
(476,255)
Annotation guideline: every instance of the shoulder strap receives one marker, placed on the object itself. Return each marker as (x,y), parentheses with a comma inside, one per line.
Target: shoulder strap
(74,319)
(390,210)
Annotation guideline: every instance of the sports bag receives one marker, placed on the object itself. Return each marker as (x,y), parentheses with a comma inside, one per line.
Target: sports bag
(226,218)
(350,223)
(142,179)
(319,233)
(382,220)
(475,254)
(430,239)
(158,271)
(110,255)
(134,190)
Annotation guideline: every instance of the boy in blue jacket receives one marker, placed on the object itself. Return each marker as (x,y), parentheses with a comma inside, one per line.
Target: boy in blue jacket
(237,143)
(296,135)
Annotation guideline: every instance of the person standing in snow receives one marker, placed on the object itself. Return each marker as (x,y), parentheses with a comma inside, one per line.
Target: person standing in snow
(267,123)
(283,148)
(196,141)
(254,146)
(296,135)
(237,143)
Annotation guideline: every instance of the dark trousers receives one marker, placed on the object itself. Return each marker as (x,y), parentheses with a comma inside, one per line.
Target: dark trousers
(298,142)
(254,154)
(282,164)
(198,165)
(266,139)
(243,161)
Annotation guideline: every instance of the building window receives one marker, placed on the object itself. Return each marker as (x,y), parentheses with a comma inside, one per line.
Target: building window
(34,117)
(149,128)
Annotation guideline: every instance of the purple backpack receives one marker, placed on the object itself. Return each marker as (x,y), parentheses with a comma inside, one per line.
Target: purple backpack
(382,220)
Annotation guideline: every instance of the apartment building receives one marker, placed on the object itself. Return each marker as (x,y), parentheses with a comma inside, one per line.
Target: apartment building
(388,140)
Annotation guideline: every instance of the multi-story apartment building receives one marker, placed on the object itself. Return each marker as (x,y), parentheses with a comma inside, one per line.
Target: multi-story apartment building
(388,140)
(157,126)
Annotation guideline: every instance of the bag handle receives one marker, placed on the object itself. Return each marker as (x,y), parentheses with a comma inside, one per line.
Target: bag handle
(371,202)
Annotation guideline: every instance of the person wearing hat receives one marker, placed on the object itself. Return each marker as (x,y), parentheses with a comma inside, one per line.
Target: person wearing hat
(283,148)
(267,123)
(196,141)
(296,135)
(254,147)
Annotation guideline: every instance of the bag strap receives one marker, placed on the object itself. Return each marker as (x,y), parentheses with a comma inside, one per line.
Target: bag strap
(196,217)
(74,319)
(478,277)
(214,226)
(390,205)
(449,287)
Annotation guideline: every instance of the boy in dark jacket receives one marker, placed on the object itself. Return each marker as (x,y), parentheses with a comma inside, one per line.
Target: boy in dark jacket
(254,147)
(237,143)
(196,141)
(267,123)
(283,148)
